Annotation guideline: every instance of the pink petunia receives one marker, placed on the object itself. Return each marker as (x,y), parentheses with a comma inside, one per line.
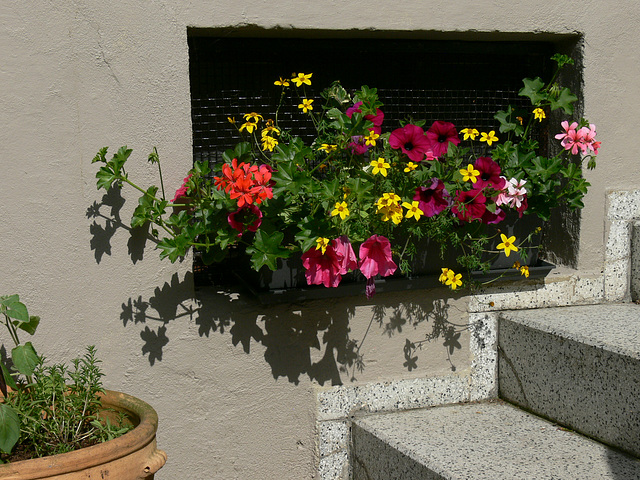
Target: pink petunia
(432,199)
(412,141)
(469,205)
(346,256)
(247,217)
(440,135)
(322,268)
(491,218)
(358,145)
(375,257)
(489,174)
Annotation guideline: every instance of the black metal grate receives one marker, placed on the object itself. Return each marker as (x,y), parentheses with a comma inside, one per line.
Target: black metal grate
(461,82)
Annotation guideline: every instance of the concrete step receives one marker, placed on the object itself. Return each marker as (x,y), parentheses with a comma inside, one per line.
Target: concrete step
(491,440)
(578,366)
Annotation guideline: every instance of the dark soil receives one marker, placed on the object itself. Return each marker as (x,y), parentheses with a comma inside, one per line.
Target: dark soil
(25,451)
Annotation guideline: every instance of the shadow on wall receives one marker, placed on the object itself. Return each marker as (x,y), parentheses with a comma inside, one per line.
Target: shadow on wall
(291,335)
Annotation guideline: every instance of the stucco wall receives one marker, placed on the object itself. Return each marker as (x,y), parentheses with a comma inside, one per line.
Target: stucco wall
(235,391)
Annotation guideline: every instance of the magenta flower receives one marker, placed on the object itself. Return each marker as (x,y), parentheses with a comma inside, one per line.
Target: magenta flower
(489,174)
(322,269)
(440,135)
(377,119)
(358,145)
(490,218)
(411,140)
(432,199)
(247,217)
(346,256)
(375,257)
(469,205)
(182,191)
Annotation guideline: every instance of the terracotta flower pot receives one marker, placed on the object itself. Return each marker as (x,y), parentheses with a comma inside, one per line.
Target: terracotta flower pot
(129,457)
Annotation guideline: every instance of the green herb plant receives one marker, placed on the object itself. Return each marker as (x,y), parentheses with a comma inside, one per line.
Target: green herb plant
(48,409)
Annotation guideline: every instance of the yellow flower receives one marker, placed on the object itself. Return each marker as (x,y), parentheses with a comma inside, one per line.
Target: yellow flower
(470,174)
(380,166)
(249,126)
(328,148)
(516,265)
(306,105)
(283,82)
(413,210)
(340,209)
(507,244)
(471,133)
(387,200)
(371,138)
(301,78)
(393,212)
(524,270)
(539,114)
(453,280)
(269,130)
(520,119)
(253,117)
(443,275)
(410,167)
(488,137)
(269,143)
(231,120)
(322,244)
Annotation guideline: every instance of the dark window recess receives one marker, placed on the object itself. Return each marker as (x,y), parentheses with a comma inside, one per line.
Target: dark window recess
(461,82)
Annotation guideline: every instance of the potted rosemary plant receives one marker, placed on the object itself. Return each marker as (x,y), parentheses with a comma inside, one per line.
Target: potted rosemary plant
(57,421)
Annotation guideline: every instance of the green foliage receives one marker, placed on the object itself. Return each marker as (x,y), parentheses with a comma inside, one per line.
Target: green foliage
(275,195)
(49,409)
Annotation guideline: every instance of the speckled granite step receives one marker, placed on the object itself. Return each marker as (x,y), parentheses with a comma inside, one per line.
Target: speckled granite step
(492,441)
(579,366)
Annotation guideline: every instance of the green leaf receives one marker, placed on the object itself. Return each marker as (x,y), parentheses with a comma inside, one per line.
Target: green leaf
(9,427)
(105,177)
(564,101)
(532,89)
(101,156)
(507,122)
(8,378)
(24,358)
(30,326)
(18,311)
(266,250)
(173,248)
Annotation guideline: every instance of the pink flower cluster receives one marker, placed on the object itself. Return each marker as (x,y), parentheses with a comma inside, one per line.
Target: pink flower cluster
(339,258)
(514,195)
(418,144)
(578,139)
(470,205)
(182,191)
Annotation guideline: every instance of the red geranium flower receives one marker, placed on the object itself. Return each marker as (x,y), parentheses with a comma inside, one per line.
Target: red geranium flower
(411,140)
(469,205)
(432,199)
(440,135)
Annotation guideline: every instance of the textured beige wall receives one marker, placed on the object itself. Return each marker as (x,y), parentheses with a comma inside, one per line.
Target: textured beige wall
(75,76)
